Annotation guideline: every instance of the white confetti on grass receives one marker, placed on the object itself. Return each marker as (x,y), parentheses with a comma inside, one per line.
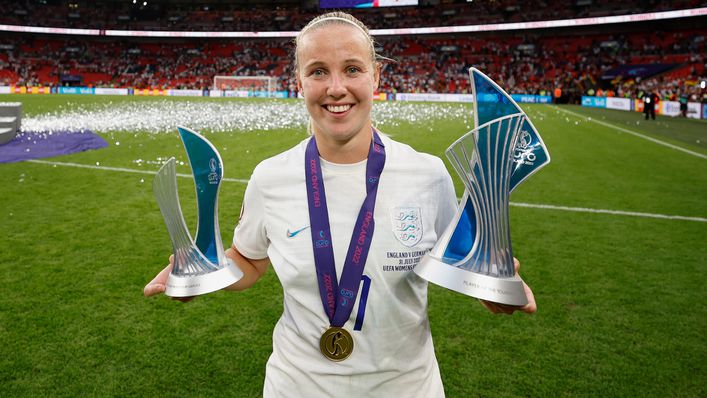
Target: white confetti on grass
(217,116)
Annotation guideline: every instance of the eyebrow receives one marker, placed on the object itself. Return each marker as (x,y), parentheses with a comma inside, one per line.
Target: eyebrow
(346,61)
(350,60)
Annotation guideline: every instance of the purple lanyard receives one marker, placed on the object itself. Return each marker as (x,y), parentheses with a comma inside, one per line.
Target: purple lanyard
(338,298)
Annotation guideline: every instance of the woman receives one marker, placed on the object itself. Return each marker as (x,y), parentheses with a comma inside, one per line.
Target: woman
(328,215)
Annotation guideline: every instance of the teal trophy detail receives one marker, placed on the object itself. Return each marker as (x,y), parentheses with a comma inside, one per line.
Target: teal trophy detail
(474,255)
(200,266)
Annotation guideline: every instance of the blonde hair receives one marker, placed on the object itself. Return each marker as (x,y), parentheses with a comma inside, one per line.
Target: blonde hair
(338,18)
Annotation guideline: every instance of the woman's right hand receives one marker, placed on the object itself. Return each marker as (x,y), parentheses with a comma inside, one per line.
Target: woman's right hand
(158,285)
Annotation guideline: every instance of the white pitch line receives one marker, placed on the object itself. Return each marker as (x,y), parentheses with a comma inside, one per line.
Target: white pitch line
(645,137)
(606,211)
(517,204)
(107,168)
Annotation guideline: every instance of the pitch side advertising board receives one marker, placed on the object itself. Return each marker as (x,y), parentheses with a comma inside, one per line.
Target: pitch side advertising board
(594,102)
(695,110)
(623,104)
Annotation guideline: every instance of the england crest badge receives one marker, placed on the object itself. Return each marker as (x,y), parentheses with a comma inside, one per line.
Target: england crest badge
(407,225)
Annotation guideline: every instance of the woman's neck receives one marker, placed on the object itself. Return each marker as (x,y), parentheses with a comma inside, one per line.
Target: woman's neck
(348,151)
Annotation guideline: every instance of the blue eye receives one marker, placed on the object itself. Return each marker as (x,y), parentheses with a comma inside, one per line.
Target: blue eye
(353,69)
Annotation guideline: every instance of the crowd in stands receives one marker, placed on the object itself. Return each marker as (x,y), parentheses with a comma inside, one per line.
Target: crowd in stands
(284,16)
(527,62)
(524,64)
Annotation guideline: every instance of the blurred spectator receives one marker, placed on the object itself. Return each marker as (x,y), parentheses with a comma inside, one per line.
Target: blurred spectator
(650,101)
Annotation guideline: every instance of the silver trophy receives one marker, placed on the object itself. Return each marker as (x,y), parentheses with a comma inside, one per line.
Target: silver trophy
(200,266)
(474,255)
(10,120)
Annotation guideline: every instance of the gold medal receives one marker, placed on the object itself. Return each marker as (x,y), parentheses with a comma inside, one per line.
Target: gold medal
(336,344)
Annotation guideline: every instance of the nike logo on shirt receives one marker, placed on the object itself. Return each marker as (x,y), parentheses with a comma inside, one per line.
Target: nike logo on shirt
(294,233)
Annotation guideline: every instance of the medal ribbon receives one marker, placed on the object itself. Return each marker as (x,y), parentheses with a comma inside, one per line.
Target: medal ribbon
(338,297)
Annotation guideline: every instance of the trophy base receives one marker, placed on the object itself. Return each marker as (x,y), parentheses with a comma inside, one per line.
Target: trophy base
(498,290)
(187,286)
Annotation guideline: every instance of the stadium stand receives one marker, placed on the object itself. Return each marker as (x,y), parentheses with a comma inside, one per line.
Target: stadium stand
(286,15)
(585,61)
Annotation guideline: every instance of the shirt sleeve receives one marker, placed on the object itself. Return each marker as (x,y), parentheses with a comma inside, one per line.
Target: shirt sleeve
(250,235)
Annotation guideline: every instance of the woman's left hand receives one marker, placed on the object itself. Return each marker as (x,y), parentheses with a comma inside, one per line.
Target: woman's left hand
(529,308)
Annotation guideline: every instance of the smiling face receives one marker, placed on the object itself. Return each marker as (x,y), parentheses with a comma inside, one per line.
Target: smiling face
(337,77)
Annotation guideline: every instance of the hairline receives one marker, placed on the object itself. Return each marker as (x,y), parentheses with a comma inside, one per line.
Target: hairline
(335,19)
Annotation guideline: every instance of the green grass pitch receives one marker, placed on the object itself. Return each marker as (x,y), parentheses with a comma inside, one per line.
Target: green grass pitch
(622,298)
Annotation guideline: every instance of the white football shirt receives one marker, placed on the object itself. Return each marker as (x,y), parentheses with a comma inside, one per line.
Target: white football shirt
(393,353)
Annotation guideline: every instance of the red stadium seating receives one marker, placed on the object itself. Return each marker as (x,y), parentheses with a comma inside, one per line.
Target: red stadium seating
(533,62)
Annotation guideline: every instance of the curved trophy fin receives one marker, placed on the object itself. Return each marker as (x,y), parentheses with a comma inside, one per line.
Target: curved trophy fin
(207,169)
(492,102)
(188,259)
(463,234)
(199,267)
(482,158)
